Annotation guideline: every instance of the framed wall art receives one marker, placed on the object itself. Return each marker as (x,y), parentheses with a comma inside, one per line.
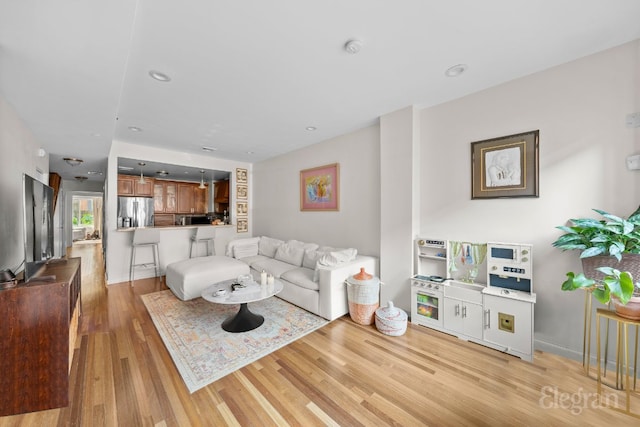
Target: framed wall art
(242,225)
(242,191)
(320,188)
(242,208)
(505,167)
(241,176)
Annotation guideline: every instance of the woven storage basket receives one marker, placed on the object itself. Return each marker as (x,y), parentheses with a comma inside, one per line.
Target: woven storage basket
(629,262)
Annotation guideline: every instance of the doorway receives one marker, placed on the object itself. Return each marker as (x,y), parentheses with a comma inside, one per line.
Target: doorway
(86,218)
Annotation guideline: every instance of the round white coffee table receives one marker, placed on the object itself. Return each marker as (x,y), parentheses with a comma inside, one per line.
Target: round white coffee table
(231,292)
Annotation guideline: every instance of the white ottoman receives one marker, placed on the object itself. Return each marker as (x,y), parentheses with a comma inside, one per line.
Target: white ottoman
(187,279)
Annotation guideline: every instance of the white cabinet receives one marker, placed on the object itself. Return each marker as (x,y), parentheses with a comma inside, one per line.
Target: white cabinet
(463,310)
(509,323)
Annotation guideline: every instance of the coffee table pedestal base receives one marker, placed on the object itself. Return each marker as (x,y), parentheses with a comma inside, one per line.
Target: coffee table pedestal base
(244,320)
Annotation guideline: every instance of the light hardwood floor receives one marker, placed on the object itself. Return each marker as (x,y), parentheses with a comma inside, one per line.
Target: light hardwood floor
(342,374)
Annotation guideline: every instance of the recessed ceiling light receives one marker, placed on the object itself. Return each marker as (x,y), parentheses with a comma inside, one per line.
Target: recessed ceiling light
(204,148)
(81,178)
(125,168)
(456,70)
(94,173)
(161,77)
(249,152)
(135,129)
(162,173)
(310,128)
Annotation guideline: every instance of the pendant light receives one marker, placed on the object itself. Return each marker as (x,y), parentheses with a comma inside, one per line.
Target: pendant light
(201,186)
(141,180)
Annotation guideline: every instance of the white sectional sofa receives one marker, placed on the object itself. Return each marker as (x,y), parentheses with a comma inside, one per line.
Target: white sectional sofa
(313,277)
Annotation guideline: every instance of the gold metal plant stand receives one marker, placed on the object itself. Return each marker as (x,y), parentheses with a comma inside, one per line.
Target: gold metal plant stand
(622,352)
(586,337)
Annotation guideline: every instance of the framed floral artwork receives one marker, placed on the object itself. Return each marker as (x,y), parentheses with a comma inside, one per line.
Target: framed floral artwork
(320,188)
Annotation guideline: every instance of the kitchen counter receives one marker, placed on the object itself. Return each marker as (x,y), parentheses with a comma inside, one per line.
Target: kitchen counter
(179,227)
(175,243)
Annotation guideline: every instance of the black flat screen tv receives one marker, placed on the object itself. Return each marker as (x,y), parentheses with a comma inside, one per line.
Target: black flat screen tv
(38,225)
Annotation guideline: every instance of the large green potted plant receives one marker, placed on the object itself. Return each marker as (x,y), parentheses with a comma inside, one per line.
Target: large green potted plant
(610,253)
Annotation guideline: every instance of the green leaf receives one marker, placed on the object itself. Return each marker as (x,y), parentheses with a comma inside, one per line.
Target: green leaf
(596,250)
(602,295)
(574,282)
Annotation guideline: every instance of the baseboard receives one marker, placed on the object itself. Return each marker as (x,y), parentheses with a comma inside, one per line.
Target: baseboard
(556,349)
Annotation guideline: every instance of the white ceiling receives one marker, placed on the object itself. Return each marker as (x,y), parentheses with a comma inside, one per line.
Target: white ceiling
(250,76)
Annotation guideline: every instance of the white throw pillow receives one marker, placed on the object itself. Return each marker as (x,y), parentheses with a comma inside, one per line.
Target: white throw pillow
(234,243)
(338,257)
(311,257)
(303,245)
(268,246)
(290,254)
(243,251)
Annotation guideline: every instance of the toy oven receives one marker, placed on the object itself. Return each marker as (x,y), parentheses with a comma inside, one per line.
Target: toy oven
(427,299)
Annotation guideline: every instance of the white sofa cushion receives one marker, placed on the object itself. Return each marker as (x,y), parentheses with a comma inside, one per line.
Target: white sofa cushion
(272,266)
(290,254)
(251,260)
(268,246)
(247,250)
(302,277)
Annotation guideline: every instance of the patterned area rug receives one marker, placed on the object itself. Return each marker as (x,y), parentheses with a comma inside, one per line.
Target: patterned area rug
(203,352)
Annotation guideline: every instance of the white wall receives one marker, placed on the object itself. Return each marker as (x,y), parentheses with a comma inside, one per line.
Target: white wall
(18,149)
(399,141)
(276,194)
(580,110)
(118,244)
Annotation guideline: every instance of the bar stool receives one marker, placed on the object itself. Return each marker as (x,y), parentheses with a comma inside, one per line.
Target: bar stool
(204,235)
(145,237)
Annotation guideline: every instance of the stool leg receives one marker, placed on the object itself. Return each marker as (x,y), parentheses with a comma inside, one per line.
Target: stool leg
(158,264)
(154,248)
(133,258)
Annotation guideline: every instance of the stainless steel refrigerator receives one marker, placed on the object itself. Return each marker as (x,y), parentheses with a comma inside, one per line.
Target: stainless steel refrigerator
(135,212)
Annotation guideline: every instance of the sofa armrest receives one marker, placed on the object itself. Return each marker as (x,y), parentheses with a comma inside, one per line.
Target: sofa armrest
(333,290)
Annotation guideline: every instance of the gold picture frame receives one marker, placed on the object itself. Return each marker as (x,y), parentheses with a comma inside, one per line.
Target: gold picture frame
(242,208)
(241,176)
(505,167)
(242,192)
(242,225)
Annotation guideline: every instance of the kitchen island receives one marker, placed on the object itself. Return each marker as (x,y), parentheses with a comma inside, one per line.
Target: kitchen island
(175,242)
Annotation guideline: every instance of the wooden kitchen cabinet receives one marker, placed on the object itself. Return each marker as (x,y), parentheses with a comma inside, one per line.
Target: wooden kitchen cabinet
(144,190)
(129,185)
(185,198)
(125,185)
(222,192)
(200,200)
(165,196)
(170,197)
(158,196)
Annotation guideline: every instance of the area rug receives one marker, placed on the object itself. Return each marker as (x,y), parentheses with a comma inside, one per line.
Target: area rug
(203,352)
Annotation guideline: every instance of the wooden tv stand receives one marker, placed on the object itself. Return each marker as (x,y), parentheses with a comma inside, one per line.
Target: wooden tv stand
(37,338)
